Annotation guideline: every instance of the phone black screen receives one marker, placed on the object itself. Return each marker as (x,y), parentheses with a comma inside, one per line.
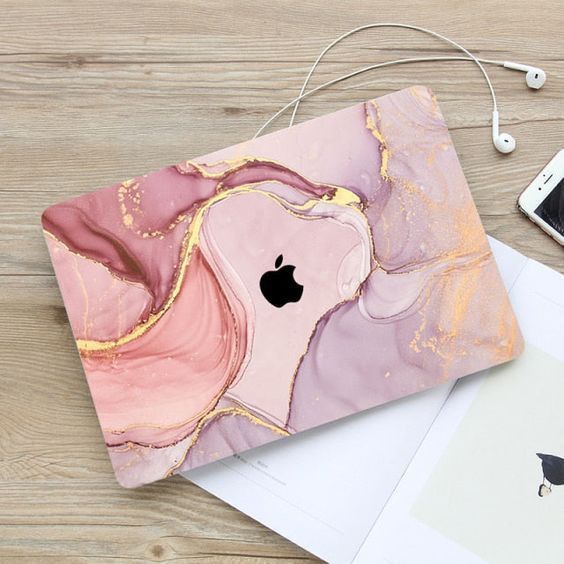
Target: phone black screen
(551,209)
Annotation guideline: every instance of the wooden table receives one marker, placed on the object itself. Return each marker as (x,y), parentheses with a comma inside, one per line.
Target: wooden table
(92,93)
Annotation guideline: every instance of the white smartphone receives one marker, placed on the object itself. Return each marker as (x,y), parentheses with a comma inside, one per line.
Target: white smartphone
(542,201)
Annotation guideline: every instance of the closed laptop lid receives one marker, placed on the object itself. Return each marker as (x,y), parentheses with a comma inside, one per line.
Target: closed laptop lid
(279,284)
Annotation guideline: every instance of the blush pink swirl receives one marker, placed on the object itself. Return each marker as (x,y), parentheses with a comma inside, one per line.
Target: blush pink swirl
(161,337)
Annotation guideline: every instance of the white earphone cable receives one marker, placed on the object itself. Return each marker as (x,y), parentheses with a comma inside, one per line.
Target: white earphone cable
(304,94)
(394,25)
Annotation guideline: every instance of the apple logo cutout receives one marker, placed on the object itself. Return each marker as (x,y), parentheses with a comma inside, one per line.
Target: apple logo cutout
(279,286)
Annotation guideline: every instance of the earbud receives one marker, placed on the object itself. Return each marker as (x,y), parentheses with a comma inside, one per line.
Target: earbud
(503,142)
(535,77)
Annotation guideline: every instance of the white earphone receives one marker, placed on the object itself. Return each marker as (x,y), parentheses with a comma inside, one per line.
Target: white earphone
(535,77)
(503,142)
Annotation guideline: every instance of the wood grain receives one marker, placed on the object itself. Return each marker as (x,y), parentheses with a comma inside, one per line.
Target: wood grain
(92,93)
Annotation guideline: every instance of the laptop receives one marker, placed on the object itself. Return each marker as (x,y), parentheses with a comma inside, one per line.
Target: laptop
(279,284)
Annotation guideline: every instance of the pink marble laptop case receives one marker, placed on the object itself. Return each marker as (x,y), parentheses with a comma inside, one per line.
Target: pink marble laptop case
(278,284)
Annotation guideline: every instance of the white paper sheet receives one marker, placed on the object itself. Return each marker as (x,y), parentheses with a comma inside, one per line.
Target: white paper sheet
(324,489)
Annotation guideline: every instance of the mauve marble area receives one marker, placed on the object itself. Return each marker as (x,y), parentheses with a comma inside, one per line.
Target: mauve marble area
(186,360)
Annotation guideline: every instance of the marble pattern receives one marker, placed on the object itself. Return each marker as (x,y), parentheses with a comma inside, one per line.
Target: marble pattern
(185,359)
